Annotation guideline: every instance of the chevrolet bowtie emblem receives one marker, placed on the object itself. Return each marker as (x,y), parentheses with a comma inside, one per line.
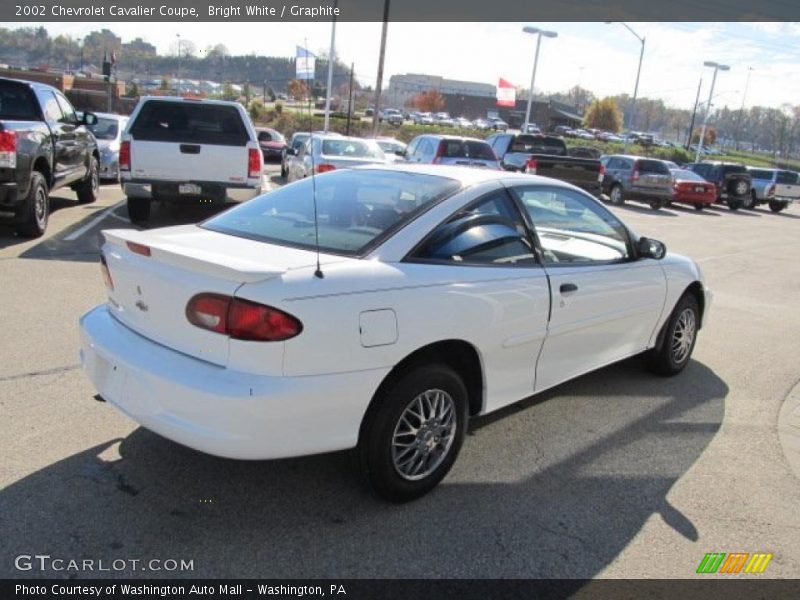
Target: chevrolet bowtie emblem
(141,306)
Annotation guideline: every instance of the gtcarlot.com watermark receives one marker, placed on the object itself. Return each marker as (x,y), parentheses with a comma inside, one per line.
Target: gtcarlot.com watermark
(45,563)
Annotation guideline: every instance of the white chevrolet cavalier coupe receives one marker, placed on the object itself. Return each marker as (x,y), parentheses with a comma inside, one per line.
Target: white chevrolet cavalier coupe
(384,315)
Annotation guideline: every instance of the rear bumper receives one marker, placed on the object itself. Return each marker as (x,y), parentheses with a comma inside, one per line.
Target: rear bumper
(217,410)
(144,189)
(9,195)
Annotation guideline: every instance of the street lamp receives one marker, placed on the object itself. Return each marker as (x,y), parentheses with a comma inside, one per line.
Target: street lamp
(178,77)
(538,33)
(635,87)
(717,67)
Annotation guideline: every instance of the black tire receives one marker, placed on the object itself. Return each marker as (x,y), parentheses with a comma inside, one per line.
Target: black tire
(657,204)
(377,452)
(777,207)
(673,355)
(35,211)
(752,202)
(139,210)
(283,171)
(89,188)
(699,207)
(615,195)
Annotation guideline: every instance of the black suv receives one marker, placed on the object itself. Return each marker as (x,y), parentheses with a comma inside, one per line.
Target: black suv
(732,180)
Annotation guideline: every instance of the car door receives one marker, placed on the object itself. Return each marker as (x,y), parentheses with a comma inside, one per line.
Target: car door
(296,162)
(483,268)
(84,141)
(605,302)
(63,137)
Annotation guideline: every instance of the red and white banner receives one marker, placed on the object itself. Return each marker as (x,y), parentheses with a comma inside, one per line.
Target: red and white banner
(506,93)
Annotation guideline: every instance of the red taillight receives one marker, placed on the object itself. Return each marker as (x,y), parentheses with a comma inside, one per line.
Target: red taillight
(254,163)
(125,156)
(8,149)
(106,273)
(324,168)
(635,175)
(531,167)
(241,319)
(8,141)
(439,153)
(601,173)
(139,248)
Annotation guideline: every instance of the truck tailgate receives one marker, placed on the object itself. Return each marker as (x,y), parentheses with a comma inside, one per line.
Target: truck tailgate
(183,162)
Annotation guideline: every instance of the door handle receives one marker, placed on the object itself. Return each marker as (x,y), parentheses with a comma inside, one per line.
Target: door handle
(566,288)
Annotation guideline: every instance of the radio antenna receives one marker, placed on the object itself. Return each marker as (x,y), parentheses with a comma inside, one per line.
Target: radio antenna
(310,74)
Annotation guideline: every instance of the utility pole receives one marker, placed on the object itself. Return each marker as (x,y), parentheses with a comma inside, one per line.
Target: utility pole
(381,57)
(741,110)
(694,115)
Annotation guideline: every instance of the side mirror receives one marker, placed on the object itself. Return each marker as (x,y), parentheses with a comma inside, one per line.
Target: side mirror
(400,153)
(89,119)
(649,248)
(291,151)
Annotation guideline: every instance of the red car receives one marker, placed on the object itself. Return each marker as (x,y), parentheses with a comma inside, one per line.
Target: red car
(272,143)
(690,188)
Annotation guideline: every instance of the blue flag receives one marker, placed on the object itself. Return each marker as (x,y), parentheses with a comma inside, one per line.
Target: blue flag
(304,68)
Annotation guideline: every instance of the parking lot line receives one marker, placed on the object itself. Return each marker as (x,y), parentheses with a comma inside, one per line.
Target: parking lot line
(79,232)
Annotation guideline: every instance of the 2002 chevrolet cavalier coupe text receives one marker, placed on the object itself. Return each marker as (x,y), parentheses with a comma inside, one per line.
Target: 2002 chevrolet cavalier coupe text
(442,293)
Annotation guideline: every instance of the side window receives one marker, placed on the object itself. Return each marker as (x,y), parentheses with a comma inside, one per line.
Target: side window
(425,148)
(412,147)
(49,106)
(489,231)
(615,163)
(573,228)
(67,109)
(301,151)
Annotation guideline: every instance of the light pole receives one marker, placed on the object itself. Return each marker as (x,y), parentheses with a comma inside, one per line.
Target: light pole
(717,67)
(178,77)
(632,118)
(538,33)
(741,110)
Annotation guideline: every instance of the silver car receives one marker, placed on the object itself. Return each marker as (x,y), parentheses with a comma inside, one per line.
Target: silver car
(108,131)
(452,150)
(326,152)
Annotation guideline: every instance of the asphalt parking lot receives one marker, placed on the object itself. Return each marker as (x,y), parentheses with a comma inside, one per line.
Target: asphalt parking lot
(617,474)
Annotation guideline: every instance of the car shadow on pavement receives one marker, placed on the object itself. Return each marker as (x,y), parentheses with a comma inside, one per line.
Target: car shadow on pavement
(86,247)
(555,486)
(8,236)
(684,208)
(644,209)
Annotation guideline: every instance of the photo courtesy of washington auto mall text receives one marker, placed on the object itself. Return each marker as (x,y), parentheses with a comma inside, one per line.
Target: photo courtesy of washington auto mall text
(391,299)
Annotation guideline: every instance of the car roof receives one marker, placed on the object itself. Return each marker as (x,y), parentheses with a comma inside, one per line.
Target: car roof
(191,100)
(462,138)
(29,83)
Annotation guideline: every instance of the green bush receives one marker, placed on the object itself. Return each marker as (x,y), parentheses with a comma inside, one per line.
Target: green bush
(279,107)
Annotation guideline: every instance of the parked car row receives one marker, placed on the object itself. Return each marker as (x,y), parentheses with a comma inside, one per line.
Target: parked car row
(659,182)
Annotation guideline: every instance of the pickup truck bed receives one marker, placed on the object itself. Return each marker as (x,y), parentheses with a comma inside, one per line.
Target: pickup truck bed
(546,156)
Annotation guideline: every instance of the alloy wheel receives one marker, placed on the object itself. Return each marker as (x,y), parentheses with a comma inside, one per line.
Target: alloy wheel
(424,434)
(683,335)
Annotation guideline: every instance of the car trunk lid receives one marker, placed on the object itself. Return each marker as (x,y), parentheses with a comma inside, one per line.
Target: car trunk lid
(155,273)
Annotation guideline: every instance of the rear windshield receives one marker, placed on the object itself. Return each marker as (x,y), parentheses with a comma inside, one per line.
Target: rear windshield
(190,122)
(761,174)
(787,177)
(351,148)
(652,166)
(298,139)
(355,208)
(728,169)
(467,149)
(268,135)
(684,175)
(16,102)
(538,145)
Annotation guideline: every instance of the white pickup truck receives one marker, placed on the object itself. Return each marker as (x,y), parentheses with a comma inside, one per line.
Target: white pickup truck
(188,150)
(776,187)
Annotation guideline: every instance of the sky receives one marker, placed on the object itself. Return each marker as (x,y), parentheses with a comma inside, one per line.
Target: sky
(600,57)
